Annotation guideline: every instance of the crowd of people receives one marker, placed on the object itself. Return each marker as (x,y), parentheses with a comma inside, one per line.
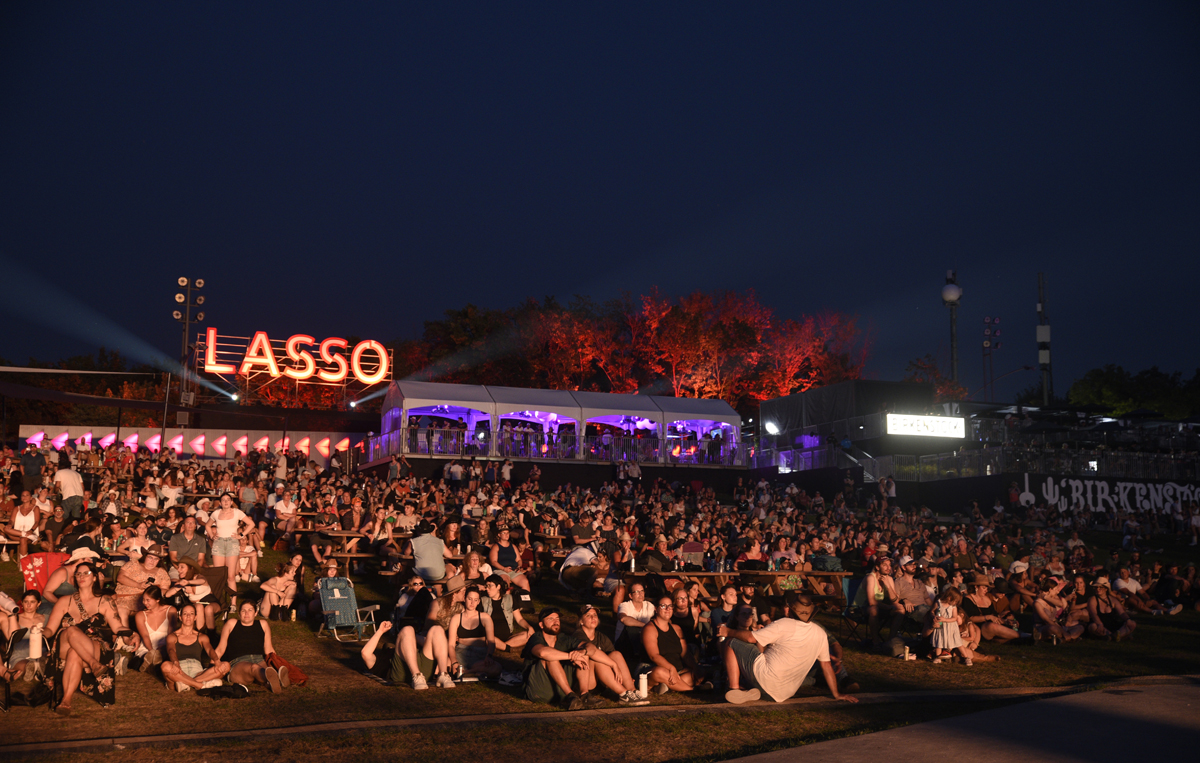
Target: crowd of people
(143,534)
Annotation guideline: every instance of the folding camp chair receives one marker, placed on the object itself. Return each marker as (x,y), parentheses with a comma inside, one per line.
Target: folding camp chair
(340,609)
(854,615)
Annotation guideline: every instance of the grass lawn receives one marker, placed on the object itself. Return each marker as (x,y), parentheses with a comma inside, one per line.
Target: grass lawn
(336,692)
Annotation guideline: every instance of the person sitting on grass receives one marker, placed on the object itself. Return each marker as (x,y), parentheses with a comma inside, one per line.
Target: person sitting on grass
(1051,608)
(416,658)
(508,624)
(186,648)
(980,608)
(1133,595)
(153,624)
(674,667)
(472,640)
(550,671)
(245,644)
(774,660)
(279,591)
(1108,619)
(608,665)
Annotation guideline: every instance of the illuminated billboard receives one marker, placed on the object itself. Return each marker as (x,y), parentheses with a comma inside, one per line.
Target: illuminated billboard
(926,426)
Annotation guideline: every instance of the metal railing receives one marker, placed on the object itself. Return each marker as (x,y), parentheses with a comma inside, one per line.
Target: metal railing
(989,461)
(558,447)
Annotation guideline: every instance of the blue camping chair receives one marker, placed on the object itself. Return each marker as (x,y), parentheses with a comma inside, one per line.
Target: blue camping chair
(340,610)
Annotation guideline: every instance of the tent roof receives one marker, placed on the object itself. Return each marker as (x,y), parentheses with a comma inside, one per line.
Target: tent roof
(417,394)
(511,399)
(690,408)
(596,404)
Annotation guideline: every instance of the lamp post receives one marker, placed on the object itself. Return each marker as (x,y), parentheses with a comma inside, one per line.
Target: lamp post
(184,316)
(951,294)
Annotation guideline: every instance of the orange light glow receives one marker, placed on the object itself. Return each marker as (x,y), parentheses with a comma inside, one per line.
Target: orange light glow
(335,359)
(304,357)
(211,366)
(356,362)
(259,353)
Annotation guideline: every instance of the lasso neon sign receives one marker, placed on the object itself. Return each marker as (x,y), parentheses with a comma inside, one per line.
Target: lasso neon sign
(295,361)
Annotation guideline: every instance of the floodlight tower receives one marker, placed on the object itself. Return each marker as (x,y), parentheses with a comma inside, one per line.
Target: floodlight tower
(951,295)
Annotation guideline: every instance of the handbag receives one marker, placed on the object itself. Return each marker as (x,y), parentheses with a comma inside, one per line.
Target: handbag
(295,675)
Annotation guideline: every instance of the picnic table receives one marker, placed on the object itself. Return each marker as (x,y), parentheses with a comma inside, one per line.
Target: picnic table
(553,540)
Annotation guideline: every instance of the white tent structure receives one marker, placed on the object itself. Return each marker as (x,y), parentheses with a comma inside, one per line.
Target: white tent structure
(453,401)
(543,406)
(631,427)
(700,416)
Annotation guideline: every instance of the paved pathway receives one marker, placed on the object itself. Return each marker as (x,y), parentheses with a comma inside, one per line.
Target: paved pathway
(1130,722)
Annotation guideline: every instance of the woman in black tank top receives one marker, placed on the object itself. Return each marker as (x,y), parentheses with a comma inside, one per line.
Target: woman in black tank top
(674,667)
(187,644)
(246,642)
(472,639)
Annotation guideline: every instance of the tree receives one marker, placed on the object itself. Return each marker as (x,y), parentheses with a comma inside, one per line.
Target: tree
(926,369)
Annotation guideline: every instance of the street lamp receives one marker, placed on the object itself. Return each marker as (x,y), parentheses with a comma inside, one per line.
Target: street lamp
(951,294)
(186,317)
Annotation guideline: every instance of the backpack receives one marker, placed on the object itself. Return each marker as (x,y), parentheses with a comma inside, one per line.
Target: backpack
(827,563)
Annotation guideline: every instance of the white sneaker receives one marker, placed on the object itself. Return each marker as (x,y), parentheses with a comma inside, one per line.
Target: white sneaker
(1175,609)
(260,554)
(212,684)
(419,683)
(444,681)
(738,696)
(4,557)
(255,579)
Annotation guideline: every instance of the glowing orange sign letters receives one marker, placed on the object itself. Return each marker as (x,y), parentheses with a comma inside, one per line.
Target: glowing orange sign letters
(298,362)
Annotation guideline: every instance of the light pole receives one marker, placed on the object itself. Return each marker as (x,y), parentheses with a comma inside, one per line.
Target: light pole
(951,294)
(184,316)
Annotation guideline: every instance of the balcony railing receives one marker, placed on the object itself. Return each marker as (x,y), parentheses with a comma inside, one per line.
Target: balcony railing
(561,447)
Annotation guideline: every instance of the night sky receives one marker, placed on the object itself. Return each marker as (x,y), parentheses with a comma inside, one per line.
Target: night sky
(345,168)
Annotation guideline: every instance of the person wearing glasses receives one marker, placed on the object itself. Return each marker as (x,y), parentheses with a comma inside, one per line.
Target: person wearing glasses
(673,665)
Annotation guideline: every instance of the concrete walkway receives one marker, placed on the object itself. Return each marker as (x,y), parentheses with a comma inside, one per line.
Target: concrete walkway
(339,727)
(1130,722)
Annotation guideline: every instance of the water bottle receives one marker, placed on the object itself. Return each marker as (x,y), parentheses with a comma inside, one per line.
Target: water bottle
(632,564)
(643,687)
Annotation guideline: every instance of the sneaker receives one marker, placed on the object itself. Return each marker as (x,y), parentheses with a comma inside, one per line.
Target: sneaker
(4,557)
(284,680)
(260,554)
(121,662)
(181,688)
(741,697)
(1175,609)
(273,680)
(572,702)
(511,678)
(632,699)
(592,700)
(212,684)
(704,686)
(255,579)
(444,681)
(968,663)
(661,689)
(418,683)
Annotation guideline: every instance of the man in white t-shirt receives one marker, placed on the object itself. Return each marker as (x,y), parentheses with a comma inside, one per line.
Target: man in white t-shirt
(774,660)
(634,612)
(70,484)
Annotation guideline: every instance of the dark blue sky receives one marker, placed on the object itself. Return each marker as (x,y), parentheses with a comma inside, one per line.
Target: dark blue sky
(357,169)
